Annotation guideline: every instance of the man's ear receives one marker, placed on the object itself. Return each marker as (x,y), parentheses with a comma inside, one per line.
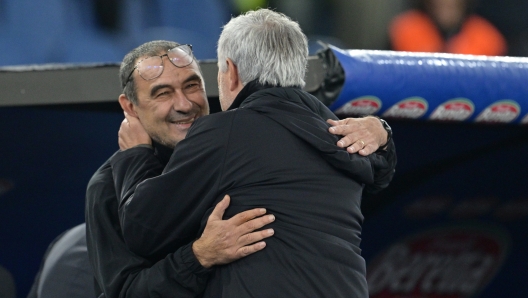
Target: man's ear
(127,105)
(234,78)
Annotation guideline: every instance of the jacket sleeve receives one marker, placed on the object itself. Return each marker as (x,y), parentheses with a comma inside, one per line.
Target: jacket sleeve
(166,211)
(121,273)
(140,163)
(383,175)
(177,275)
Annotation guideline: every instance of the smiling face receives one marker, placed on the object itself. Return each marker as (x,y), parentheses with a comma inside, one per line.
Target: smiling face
(169,104)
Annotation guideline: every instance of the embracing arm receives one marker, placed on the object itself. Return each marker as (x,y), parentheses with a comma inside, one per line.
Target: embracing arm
(183,273)
(164,212)
(366,135)
(363,135)
(179,273)
(121,273)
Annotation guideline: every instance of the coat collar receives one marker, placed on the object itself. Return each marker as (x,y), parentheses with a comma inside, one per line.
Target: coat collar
(249,89)
(163,153)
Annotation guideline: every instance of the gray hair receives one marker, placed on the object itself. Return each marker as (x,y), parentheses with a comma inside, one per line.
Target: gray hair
(151,48)
(267,45)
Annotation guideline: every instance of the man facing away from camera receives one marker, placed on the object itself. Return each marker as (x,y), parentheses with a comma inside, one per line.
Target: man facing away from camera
(163,90)
(270,149)
(166,117)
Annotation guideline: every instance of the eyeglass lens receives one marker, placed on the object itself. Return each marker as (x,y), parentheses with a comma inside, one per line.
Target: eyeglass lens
(180,56)
(152,67)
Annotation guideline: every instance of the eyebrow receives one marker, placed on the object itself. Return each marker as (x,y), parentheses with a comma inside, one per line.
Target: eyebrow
(193,77)
(155,89)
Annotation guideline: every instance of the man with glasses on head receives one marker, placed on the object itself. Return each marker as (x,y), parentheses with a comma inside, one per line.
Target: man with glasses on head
(162,101)
(271,149)
(166,99)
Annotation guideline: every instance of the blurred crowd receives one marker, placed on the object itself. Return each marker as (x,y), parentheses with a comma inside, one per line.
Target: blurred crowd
(449,26)
(98,31)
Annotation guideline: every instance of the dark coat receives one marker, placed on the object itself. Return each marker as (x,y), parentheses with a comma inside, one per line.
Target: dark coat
(273,151)
(118,271)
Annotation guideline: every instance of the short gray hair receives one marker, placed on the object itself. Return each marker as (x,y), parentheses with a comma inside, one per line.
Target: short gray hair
(151,48)
(267,45)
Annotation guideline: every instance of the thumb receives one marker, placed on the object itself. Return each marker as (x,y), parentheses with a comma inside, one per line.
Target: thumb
(131,116)
(332,122)
(220,208)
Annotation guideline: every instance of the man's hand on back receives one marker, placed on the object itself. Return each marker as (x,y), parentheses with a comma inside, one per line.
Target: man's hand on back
(362,135)
(224,241)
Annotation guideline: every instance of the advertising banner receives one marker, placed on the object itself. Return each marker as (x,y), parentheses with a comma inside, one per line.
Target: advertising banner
(453,221)
(433,86)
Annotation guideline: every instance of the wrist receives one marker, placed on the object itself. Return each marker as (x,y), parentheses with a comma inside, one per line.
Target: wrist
(384,142)
(188,259)
(200,255)
(388,129)
(144,145)
(124,148)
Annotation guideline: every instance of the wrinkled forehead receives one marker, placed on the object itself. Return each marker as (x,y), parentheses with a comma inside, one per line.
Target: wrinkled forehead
(196,68)
(171,76)
(151,54)
(165,63)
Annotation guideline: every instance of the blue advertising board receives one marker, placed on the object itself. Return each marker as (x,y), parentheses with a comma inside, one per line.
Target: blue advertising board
(433,86)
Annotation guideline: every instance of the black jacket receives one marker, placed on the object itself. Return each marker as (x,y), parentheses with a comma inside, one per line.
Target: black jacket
(273,152)
(118,271)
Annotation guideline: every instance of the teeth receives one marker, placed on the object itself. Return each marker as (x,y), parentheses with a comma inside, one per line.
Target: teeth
(185,122)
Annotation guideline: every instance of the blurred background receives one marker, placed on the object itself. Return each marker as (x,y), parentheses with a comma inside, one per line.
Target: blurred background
(462,183)
(75,31)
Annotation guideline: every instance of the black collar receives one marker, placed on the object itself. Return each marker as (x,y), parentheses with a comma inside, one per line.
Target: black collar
(163,153)
(249,89)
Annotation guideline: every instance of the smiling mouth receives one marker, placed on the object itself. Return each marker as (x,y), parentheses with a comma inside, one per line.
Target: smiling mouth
(186,121)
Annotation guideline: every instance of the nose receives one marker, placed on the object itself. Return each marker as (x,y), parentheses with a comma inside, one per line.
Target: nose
(182,104)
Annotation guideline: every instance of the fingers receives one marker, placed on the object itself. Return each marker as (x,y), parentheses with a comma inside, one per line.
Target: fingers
(132,133)
(250,249)
(120,141)
(224,241)
(359,134)
(333,122)
(123,124)
(355,145)
(128,116)
(341,127)
(218,211)
(246,216)
(368,149)
(363,148)
(256,224)
(131,120)
(253,237)
(352,131)
(247,250)
(126,121)
(351,139)
(251,242)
